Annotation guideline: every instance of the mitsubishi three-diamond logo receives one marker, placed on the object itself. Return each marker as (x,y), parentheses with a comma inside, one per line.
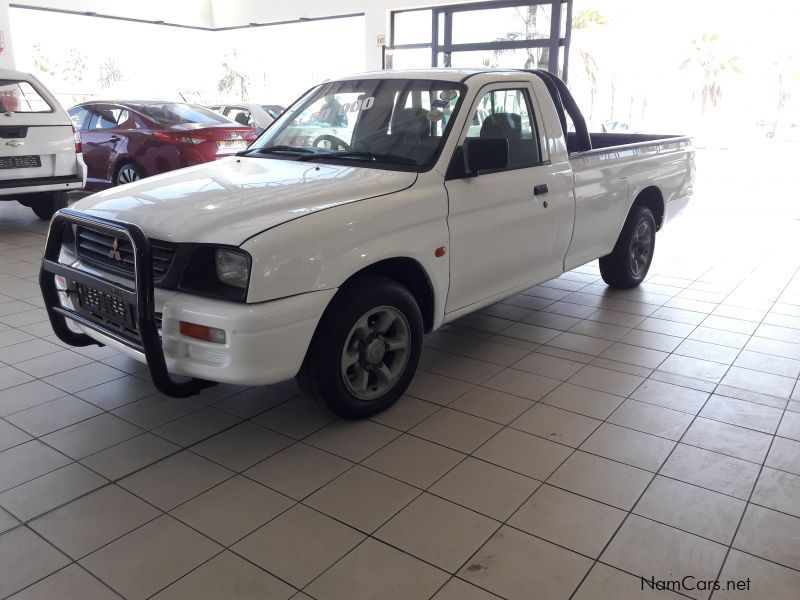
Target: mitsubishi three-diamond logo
(114,252)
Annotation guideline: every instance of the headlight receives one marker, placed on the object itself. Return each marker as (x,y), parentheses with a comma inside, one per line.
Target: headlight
(233,267)
(220,272)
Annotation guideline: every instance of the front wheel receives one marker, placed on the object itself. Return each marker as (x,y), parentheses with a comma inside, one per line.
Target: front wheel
(45,206)
(366,349)
(628,263)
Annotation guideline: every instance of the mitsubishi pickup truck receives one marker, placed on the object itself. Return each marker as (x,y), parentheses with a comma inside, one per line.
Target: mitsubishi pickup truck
(331,261)
(41,157)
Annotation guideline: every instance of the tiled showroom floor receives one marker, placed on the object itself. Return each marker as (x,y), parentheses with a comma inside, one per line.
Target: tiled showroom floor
(559,444)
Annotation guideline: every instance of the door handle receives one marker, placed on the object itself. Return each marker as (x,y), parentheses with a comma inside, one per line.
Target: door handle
(540,189)
(116,138)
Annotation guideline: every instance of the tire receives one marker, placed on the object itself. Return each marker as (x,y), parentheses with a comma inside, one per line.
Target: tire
(128,173)
(349,367)
(628,263)
(46,205)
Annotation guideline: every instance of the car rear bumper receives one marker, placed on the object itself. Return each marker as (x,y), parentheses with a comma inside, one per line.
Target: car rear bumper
(36,185)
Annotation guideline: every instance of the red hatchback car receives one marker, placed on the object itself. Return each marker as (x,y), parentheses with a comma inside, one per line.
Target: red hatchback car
(125,141)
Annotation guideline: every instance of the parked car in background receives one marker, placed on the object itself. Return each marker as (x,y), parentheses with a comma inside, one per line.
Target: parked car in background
(274,110)
(40,152)
(246,113)
(617,127)
(126,141)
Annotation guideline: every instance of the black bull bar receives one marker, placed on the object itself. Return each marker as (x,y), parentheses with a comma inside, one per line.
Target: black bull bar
(140,298)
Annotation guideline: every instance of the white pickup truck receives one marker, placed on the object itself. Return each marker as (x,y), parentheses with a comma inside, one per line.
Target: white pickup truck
(331,262)
(40,151)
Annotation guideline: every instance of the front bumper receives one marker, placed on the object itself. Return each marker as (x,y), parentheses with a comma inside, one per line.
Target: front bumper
(264,343)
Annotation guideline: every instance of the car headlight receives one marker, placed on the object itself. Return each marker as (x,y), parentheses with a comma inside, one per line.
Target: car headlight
(220,272)
(233,267)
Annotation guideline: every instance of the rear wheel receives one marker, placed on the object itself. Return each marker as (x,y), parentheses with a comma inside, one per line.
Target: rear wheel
(128,173)
(628,263)
(45,206)
(366,349)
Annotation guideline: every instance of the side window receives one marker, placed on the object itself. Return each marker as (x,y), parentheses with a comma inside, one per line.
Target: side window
(100,117)
(507,114)
(241,116)
(121,116)
(106,117)
(78,116)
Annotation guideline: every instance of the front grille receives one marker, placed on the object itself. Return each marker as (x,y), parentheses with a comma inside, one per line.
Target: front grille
(20,162)
(116,254)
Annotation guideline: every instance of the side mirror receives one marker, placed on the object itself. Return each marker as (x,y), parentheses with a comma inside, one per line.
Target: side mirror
(485,154)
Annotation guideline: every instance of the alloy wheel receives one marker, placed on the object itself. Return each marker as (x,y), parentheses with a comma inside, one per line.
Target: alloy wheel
(376,352)
(641,249)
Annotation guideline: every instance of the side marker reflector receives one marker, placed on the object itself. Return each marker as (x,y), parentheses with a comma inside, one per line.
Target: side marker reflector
(440,252)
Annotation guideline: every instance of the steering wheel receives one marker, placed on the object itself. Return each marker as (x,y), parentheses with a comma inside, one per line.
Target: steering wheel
(336,142)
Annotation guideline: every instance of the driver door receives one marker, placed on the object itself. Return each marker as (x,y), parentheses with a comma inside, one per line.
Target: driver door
(508,228)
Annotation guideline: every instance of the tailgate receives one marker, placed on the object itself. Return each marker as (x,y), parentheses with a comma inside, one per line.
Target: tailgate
(36,136)
(33,151)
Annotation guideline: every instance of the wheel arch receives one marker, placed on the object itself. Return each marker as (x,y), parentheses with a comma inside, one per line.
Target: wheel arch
(409,273)
(651,198)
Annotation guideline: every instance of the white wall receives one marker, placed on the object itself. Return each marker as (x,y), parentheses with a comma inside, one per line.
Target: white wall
(7,55)
(227,13)
(232,13)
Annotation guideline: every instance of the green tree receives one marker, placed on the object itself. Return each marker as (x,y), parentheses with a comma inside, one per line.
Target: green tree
(707,59)
(42,62)
(233,77)
(74,68)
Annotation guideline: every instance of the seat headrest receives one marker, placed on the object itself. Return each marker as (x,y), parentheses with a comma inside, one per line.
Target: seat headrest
(505,125)
(242,119)
(411,122)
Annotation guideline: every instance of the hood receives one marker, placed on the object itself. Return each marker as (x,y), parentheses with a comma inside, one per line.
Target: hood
(230,200)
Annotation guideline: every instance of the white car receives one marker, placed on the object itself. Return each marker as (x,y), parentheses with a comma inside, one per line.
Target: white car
(40,151)
(331,263)
(248,113)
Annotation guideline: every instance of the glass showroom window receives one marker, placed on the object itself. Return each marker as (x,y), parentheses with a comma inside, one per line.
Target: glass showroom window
(507,34)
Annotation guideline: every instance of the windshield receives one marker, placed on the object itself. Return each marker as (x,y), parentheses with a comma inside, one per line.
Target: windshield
(386,122)
(176,113)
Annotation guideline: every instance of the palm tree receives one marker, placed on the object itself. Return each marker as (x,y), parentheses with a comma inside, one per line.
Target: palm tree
(233,77)
(110,72)
(786,70)
(529,21)
(581,21)
(711,63)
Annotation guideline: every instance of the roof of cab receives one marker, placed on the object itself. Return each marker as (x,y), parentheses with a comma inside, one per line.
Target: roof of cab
(440,74)
(13,74)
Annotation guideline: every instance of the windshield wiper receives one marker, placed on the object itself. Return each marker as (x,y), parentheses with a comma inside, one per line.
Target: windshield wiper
(387,158)
(275,149)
